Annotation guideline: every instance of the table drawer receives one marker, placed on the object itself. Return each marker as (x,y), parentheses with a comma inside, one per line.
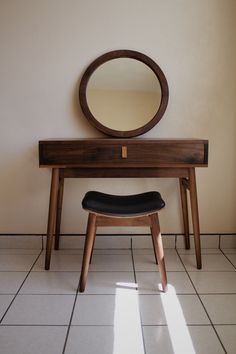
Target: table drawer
(122,153)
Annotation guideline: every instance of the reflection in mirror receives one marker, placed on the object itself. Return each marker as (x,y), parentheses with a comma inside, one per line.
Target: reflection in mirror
(123,94)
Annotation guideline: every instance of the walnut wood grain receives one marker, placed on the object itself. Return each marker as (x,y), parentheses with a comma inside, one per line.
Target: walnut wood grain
(107,153)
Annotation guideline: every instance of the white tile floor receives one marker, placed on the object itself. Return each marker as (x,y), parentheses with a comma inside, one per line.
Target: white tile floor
(122,310)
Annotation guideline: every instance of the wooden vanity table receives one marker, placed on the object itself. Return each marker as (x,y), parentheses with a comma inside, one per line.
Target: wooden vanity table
(107,158)
(123,94)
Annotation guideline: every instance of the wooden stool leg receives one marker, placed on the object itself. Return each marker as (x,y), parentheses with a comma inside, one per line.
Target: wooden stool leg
(88,248)
(158,249)
(154,248)
(90,261)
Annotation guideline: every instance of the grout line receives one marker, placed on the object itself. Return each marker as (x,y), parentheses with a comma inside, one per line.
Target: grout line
(201,302)
(106,325)
(227,258)
(69,325)
(20,288)
(125,234)
(31,325)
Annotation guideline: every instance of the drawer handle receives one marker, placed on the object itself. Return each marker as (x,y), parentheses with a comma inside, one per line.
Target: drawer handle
(124,152)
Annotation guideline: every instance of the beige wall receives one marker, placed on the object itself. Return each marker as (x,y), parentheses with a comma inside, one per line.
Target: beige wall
(45,47)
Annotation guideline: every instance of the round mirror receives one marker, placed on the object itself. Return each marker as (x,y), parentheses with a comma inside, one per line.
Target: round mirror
(123,93)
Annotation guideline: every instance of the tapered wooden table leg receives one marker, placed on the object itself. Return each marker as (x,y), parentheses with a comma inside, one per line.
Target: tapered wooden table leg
(195,216)
(184,203)
(58,214)
(52,215)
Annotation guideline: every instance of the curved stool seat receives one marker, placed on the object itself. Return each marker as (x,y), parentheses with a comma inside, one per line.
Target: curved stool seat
(123,205)
(126,210)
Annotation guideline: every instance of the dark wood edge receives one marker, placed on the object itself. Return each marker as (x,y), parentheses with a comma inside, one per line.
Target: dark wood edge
(127,173)
(206,149)
(124,53)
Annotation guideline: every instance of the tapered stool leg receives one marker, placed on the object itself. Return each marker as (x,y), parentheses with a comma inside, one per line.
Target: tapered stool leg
(88,247)
(158,249)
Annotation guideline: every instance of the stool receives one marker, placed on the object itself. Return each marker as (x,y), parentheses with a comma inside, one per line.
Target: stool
(113,210)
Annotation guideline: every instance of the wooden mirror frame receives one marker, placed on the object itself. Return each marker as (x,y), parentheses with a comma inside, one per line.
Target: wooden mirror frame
(123,54)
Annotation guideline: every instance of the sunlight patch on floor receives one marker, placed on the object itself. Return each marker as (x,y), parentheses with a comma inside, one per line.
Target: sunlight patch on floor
(179,334)
(127,322)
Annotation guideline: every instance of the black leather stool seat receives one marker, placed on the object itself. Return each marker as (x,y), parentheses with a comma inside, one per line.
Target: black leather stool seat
(119,205)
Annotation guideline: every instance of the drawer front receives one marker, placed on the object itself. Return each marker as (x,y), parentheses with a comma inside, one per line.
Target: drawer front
(122,153)
(78,154)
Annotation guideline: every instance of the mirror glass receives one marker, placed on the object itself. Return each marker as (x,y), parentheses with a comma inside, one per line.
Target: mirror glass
(123,94)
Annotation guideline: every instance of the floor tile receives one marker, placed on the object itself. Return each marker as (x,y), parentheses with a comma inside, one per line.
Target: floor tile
(221,308)
(60,262)
(203,251)
(107,282)
(168,241)
(207,241)
(110,241)
(149,282)
(94,310)
(183,340)
(144,251)
(111,263)
(16,262)
(49,282)
(66,251)
(232,258)
(5,301)
(227,335)
(108,251)
(180,242)
(145,241)
(146,262)
(214,282)
(229,250)
(19,251)
(228,241)
(10,282)
(210,262)
(21,241)
(68,241)
(183,308)
(142,241)
(40,310)
(112,251)
(32,339)
(107,317)
(102,340)
(90,339)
